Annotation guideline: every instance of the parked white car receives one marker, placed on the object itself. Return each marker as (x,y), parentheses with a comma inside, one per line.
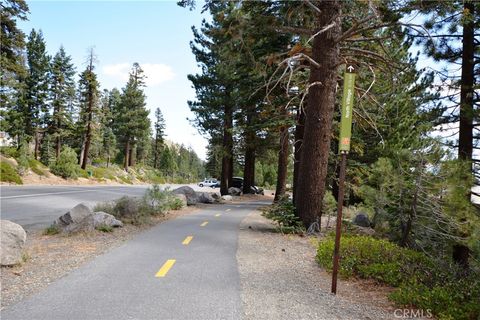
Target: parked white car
(212,183)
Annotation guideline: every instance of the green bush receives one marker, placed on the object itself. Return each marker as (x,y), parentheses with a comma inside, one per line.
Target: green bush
(283,213)
(104,228)
(37,167)
(22,158)
(66,165)
(8,173)
(108,207)
(424,282)
(10,152)
(139,211)
(176,204)
(51,230)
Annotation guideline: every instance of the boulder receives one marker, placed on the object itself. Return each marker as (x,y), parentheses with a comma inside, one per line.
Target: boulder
(91,222)
(189,193)
(205,197)
(227,197)
(12,241)
(234,191)
(362,220)
(182,198)
(216,196)
(75,215)
(104,219)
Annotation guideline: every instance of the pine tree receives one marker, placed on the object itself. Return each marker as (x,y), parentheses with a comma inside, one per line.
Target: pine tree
(167,162)
(448,23)
(62,97)
(12,77)
(109,144)
(131,118)
(36,114)
(88,98)
(159,136)
(215,106)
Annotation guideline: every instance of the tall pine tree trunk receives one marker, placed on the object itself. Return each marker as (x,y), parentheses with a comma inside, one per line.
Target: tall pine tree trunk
(250,149)
(282,164)
(58,147)
(37,144)
(318,120)
(88,135)
(155,154)
(132,156)
(127,153)
(461,252)
(299,131)
(227,155)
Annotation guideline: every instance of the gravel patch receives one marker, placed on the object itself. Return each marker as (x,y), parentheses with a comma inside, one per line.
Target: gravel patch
(50,257)
(281,280)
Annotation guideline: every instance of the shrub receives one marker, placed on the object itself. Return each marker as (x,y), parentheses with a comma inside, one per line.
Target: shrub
(8,173)
(175,204)
(22,158)
(10,152)
(138,211)
(283,213)
(51,230)
(66,165)
(104,228)
(422,281)
(37,167)
(108,207)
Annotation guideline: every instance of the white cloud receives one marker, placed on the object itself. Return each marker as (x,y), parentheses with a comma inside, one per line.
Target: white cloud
(156,73)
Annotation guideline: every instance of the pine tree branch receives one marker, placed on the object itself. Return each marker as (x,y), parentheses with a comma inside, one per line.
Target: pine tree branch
(294,30)
(314,7)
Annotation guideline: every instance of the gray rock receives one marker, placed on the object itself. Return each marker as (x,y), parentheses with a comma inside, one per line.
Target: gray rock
(91,222)
(182,198)
(190,194)
(104,219)
(216,196)
(234,191)
(227,198)
(12,241)
(75,215)
(205,197)
(362,220)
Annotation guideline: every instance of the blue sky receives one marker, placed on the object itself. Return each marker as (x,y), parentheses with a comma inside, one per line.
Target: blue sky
(155,34)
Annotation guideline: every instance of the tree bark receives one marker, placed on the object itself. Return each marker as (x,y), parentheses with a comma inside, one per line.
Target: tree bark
(282,164)
(249,167)
(88,135)
(58,147)
(318,121)
(132,157)
(127,153)
(37,144)
(227,144)
(461,252)
(299,131)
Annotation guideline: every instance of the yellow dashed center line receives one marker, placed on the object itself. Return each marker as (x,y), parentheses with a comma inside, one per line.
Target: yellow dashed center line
(187,240)
(204,224)
(218,215)
(165,268)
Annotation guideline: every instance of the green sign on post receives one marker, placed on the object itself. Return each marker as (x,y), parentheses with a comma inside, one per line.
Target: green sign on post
(347,110)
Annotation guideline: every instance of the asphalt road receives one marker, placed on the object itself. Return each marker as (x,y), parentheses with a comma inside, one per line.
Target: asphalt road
(36,207)
(157,275)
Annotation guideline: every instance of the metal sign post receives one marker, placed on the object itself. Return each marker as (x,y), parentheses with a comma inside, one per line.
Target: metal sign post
(344,148)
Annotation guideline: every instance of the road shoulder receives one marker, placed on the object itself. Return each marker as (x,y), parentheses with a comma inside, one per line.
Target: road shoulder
(281,280)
